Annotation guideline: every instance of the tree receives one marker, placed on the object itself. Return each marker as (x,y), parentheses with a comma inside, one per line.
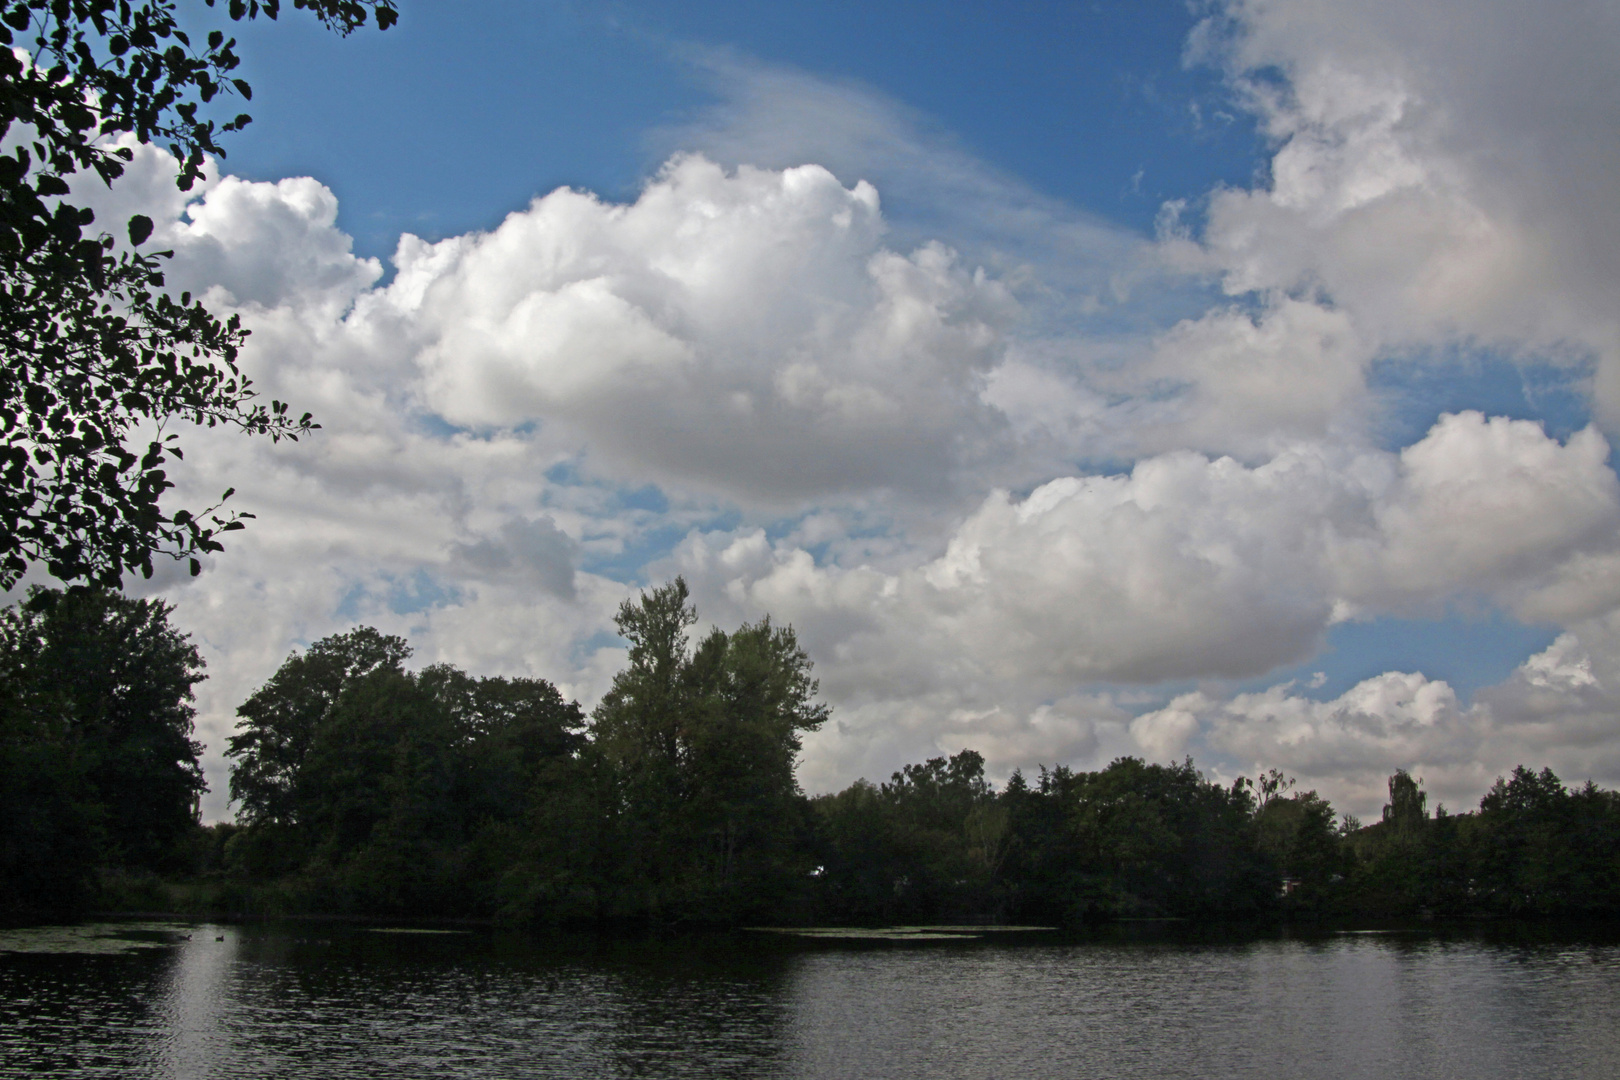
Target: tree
(947,832)
(750,699)
(1396,870)
(278,722)
(98,358)
(391,790)
(702,747)
(638,729)
(379,793)
(508,728)
(1527,862)
(1298,833)
(1406,809)
(97,763)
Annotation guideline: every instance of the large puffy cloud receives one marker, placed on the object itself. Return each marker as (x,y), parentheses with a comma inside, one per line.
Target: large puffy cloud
(1251,383)
(1186,567)
(1493,507)
(1234,381)
(743,332)
(1189,566)
(244,245)
(876,441)
(1441,179)
(1441,173)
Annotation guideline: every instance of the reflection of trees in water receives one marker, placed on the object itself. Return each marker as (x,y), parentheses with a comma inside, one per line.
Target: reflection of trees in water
(719,1009)
(319,1000)
(323,1001)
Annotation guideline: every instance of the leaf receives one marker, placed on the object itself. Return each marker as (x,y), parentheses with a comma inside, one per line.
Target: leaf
(140,228)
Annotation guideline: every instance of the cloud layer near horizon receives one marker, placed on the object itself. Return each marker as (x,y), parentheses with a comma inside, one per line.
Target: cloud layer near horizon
(749,376)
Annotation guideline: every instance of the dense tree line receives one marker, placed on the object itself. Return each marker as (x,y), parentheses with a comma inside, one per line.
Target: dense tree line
(364,787)
(1143,840)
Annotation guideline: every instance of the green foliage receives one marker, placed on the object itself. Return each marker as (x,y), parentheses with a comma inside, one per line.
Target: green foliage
(1159,840)
(1407,809)
(1533,848)
(928,843)
(97,765)
(368,788)
(640,729)
(937,842)
(278,722)
(1539,848)
(702,746)
(382,786)
(1299,836)
(98,357)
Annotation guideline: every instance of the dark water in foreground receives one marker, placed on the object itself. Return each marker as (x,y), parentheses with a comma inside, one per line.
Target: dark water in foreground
(324,1001)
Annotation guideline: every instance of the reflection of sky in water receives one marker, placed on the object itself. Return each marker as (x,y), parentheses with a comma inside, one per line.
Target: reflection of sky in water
(191,1035)
(331,1002)
(1343,1007)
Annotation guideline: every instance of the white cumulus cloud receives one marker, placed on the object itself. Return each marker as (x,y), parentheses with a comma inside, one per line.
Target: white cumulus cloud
(750,375)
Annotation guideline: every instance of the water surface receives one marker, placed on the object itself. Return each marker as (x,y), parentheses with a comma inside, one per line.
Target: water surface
(173,1000)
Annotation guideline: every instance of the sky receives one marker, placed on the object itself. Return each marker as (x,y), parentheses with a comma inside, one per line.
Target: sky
(1233,380)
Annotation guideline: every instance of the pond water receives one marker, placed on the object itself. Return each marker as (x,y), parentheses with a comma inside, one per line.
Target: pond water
(318,1000)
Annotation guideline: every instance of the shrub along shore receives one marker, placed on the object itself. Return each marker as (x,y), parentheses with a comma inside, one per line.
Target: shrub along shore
(368,790)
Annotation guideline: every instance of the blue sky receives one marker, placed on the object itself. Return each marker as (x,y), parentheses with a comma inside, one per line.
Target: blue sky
(1233,379)
(446,123)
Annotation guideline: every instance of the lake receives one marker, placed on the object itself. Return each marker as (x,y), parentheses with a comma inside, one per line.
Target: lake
(324,1000)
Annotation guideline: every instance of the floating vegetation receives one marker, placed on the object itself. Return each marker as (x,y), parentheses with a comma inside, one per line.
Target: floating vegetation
(93,939)
(895,933)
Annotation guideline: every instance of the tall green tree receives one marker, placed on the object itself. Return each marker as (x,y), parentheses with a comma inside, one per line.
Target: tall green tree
(1527,858)
(750,700)
(100,363)
(1396,858)
(1407,809)
(702,745)
(640,727)
(1300,836)
(508,728)
(379,795)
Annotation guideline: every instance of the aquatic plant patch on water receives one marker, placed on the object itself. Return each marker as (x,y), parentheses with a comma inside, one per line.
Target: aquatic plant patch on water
(895,933)
(104,939)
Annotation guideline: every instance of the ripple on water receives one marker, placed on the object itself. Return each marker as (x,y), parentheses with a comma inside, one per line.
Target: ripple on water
(146,1000)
